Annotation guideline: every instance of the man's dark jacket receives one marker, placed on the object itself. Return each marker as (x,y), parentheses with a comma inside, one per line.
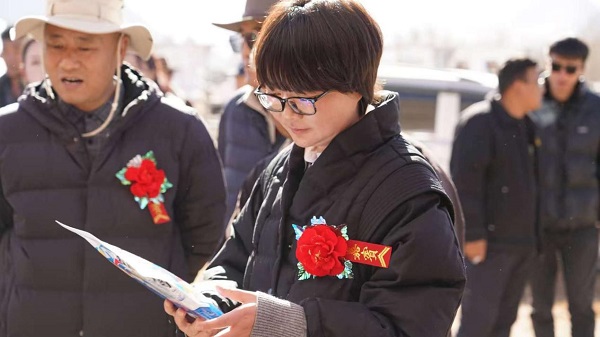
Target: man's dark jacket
(370,179)
(53,283)
(569,158)
(246,135)
(492,165)
(6,93)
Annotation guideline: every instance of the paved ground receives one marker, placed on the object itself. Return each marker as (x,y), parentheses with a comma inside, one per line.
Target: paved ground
(562,325)
(523,328)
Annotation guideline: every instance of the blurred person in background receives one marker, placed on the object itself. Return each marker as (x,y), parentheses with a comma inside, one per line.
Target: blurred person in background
(11,84)
(569,124)
(156,69)
(247,133)
(493,163)
(164,78)
(240,76)
(146,67)
(107,154)
(31,62)
(348,232)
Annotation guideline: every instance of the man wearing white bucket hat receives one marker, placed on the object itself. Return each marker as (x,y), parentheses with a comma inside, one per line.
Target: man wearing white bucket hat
(107,154)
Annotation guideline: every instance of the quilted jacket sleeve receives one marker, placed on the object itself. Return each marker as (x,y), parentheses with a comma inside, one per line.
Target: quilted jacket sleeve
(200,207)
(230,262)
(471,156)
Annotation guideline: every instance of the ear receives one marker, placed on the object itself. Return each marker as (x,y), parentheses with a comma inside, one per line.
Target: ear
(123,47)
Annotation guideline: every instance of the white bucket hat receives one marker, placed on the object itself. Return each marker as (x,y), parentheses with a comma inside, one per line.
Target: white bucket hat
(87,16)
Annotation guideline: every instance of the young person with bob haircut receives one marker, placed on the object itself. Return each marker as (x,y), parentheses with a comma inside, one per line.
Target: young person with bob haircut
(348,231)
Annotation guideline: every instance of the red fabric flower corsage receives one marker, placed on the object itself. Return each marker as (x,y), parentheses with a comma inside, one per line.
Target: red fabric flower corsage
(325,250)
(320,250)
(147,184)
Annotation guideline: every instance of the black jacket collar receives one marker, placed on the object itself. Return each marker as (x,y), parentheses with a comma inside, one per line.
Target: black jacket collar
(372,130)
(342,159)
(579,91)
(503,115)
(44,108)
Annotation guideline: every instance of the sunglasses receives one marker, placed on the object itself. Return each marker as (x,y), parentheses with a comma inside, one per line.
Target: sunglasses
(556,67)
(237,40)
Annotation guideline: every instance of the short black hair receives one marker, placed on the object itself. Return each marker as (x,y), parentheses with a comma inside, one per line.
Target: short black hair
(318,45)
(6,33)
(571,48)
(513,70)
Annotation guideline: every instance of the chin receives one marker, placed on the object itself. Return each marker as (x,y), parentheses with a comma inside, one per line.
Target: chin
(68,100)
(301,144)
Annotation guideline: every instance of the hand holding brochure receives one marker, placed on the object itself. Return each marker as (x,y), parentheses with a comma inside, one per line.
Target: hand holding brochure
(162,282)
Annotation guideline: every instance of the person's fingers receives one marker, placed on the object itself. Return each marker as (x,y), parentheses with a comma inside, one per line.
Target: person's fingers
(218,323)
(239,317)
(182,319)
(238,295)
(169,307)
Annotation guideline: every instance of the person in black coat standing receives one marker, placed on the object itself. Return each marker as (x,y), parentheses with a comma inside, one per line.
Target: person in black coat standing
(97,146)
(569,125)
(348,231)
(493,166)
(247,133)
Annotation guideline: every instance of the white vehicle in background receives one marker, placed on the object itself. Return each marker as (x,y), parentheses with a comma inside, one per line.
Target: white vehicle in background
(431,101)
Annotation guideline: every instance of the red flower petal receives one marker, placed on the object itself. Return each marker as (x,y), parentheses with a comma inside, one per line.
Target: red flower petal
(138,190)
(131,174)
(320,249)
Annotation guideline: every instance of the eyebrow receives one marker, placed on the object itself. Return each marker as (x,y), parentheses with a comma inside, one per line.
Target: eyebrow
(83,38)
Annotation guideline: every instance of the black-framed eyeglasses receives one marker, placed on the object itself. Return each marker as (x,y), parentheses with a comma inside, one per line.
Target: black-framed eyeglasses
(299,105)
(556,67)
(237,40)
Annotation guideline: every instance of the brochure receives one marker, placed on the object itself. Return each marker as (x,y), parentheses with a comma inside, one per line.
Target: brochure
(159,280)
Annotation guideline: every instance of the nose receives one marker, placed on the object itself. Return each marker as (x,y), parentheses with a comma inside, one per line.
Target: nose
(288,113)
(69,62)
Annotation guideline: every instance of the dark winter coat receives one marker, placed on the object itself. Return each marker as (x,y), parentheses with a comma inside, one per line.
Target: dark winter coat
(492,165)
(53,283)
(246,135)
(6,94)
(370,179)
(569,158)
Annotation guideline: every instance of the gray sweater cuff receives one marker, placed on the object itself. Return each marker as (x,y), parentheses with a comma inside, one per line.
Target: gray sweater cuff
(278,318)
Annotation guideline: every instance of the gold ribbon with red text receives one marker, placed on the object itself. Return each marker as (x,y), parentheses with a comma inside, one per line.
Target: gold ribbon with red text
(159,213)
(368,253)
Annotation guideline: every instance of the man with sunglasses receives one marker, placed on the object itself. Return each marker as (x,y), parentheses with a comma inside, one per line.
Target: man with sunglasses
(569,126)
(247,133)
